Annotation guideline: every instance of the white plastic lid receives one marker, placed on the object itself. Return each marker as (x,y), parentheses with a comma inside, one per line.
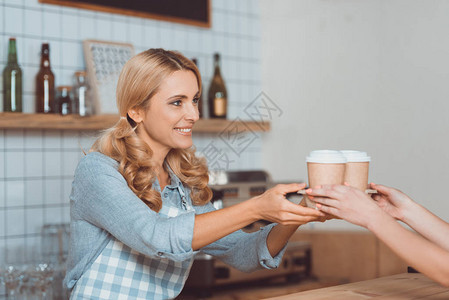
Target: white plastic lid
(356,156)
(326,157)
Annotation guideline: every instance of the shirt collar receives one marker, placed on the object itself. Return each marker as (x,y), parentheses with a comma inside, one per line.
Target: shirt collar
(174,180)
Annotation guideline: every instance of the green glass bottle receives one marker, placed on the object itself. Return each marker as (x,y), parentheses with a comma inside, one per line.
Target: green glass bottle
(12,81)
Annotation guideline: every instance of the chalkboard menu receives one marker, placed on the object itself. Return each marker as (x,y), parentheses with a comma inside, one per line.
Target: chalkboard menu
(191,12)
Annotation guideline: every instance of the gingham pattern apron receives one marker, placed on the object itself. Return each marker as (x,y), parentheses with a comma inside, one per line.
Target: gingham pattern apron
(119,272)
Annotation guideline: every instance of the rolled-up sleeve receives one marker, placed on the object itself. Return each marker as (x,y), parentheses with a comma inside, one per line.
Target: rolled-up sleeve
(102,197)
(246,252)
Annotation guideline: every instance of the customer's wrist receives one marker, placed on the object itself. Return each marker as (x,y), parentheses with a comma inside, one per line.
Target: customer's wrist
(376,219)
(412,209)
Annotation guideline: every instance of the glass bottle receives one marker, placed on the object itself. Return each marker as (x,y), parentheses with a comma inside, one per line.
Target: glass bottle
(200,103)
(217,95)
(64,101)
(82,103)
(45,83)
(12,81)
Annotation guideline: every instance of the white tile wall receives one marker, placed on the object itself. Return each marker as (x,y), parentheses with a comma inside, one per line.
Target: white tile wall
(12,226)
(35,220)
(14,139)
(33,139)
(52,164)
(15,165)
(33,164)
(2,219)
(15,193)
(2,168)
(1,23)
(34,192)
(37,166)
(53,192)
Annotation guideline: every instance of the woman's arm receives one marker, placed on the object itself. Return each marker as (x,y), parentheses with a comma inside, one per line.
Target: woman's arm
(423,255)
(402,207)
(356,207)
(279,236)
(101,197)
(271,206)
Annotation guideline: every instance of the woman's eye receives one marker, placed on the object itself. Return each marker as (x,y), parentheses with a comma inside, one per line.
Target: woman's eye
(177,103)
(196,100)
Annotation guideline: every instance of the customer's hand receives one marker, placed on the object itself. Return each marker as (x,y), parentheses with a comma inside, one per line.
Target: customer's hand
(273,206)
(392,201)
(345,202)
(326,217)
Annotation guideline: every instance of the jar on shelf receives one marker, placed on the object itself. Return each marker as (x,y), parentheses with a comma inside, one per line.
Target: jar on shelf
(63,100)
(83,105)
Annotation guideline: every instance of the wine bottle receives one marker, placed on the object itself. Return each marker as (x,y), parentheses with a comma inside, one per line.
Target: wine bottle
(217,95)
(200,102)
(12,81)
(45,84)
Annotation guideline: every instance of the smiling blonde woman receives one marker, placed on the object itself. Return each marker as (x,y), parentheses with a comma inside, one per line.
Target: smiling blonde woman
(140,206)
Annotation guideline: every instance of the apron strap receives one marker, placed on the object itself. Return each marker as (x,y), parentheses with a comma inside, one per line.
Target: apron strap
(185,205)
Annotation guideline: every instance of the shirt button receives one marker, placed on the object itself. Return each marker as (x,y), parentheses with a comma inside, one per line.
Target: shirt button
(165,194)
(160,253)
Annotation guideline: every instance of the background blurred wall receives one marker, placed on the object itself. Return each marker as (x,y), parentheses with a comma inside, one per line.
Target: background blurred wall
(366,75)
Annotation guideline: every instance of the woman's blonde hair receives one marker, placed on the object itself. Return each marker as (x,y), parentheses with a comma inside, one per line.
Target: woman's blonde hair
(139,81)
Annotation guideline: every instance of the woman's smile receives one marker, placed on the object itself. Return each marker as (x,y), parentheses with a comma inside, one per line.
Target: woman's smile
(184,130)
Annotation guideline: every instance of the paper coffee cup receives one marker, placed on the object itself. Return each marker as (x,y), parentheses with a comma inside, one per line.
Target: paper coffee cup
(324,167)
(357,169)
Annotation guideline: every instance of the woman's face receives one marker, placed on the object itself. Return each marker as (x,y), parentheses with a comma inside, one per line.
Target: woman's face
(173,110)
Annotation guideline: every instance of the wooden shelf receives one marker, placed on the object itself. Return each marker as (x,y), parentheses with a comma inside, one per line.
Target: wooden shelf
(100,122)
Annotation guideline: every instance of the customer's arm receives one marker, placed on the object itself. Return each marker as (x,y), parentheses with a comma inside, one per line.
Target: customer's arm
(425,256)
(403,208)
(358,208)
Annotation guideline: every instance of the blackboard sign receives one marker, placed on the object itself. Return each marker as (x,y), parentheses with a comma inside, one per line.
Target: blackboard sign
(191,12)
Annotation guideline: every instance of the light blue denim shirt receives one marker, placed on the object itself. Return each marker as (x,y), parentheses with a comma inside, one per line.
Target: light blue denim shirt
(102,205)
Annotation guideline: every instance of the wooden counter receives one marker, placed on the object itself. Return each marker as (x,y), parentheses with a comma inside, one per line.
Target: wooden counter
(401,286)
(350,256)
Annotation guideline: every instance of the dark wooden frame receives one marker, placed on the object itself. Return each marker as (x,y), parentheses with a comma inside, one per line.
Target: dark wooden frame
(129,12)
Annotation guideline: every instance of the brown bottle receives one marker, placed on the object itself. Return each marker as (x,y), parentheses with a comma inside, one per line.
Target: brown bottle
(200,103)
(217,95)
(45,84)
(63,103)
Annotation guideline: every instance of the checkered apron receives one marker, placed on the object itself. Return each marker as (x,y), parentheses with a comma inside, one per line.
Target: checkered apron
(119,272)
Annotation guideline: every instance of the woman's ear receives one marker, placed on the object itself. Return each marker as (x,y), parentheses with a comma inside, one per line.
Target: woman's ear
(136,115)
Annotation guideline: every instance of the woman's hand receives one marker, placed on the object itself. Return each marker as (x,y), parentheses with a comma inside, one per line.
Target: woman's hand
(273,206)
(392,201)
(345,202)
(326,217)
